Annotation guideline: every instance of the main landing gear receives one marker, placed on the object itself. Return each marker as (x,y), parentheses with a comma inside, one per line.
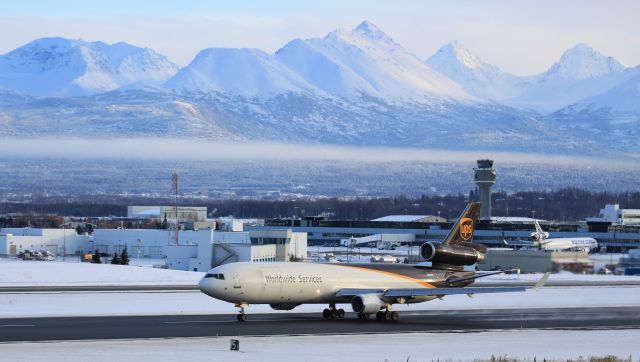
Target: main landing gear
(242,317)
(332,312)
(387,316)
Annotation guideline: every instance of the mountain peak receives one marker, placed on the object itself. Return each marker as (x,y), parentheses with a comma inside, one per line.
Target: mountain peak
(456,51)
(368,30)
(582,61)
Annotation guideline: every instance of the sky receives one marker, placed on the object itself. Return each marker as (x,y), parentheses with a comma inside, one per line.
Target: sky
(521,37)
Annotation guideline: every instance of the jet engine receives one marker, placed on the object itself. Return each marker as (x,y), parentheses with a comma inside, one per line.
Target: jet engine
(283,306)
(367,303)
(459,254)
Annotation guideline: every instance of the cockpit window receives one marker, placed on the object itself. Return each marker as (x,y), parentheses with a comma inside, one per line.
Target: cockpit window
(215,276)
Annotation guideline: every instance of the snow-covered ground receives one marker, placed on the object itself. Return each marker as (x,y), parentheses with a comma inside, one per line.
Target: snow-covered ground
(15,305)
(32,273)
(390,347)
(541,344)
(15,272)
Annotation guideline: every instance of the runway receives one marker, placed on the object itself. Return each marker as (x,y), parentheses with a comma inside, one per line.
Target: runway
(126,327)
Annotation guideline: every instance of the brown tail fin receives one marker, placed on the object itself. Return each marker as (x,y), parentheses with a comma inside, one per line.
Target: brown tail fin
(462,230)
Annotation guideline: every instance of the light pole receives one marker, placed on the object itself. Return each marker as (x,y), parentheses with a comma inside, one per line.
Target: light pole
(64,241)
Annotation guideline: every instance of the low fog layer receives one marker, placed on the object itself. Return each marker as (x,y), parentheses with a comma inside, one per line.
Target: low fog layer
(198,150)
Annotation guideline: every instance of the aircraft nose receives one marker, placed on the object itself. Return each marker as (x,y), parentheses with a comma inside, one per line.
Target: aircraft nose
(206,286)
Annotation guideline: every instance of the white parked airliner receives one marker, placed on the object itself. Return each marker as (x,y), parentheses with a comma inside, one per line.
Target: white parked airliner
(369,288)
(540,240)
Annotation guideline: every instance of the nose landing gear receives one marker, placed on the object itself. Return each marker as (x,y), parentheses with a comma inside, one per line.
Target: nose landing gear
(242,317)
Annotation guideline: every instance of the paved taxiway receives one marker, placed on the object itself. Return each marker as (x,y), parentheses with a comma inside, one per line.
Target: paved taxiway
(118,327)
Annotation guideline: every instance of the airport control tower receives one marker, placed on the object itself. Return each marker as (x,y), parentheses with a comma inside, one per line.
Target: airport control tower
(485,177)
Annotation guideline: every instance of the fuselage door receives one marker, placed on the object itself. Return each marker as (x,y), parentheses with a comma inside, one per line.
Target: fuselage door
(236,281)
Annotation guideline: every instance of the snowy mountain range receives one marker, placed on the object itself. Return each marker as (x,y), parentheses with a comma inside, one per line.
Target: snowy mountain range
(350,87)
(64,67)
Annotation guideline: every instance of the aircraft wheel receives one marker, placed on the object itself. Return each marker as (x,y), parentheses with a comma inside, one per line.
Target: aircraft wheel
(326,313)
(394,316)
(387,316)
(341,313)
(380,316)
(334,313)
(242,317)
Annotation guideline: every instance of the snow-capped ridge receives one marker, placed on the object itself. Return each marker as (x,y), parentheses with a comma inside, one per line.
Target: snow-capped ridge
(480,79)
(366,62)
(57,66)
(369,30)
(582,61)
(463,55)
(246,72)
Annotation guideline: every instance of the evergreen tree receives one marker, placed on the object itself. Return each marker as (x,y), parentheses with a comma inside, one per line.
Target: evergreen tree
(115,259)
(124,256)
(96,258)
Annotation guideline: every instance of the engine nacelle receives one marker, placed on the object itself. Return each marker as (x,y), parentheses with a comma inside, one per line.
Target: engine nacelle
(452,254)
(367,303)
(283,306)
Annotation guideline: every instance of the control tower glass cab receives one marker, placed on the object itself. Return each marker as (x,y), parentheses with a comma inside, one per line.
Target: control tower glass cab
(485,177)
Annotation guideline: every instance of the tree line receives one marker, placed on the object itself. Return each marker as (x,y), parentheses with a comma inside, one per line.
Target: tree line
(569,204)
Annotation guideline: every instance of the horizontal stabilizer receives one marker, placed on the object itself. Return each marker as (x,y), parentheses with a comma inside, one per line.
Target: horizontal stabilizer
(476,276)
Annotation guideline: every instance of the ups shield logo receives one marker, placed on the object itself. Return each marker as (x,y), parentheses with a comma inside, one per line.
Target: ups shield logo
(466,228)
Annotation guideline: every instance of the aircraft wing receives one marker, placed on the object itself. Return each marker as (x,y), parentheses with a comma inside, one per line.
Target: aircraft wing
(438,292)
(412,293)
(423,292)
(518,243)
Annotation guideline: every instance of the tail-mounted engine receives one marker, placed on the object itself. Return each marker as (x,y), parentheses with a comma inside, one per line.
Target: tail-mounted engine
(453,256)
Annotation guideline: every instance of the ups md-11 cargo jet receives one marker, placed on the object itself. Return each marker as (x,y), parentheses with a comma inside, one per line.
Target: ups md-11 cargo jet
(369,288)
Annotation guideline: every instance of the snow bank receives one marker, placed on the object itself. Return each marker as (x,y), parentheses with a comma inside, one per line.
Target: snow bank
(39,273)
(549,344)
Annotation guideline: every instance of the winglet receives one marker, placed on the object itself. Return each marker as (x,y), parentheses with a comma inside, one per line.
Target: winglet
(542,281)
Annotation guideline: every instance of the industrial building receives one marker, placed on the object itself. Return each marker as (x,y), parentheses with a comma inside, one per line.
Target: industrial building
(491,233)
(197,250)
(410,218)
(613,214)
(56,241)
(185,213)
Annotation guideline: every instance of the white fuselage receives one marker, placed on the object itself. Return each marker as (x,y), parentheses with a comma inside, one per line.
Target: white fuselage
(557,244)
(302,283)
